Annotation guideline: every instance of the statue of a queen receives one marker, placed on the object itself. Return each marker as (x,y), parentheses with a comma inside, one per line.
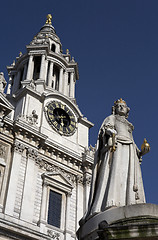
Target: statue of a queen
(116,178)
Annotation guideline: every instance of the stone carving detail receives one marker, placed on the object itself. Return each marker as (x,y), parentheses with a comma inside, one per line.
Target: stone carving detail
(117,179)
(32,153)
(52,168)
(1,118)
(31,119)
(87,180)
(19,147)
(90,151)
(2,151)
(79,179)
(3,82)
(32,84)
(40,39)
(53,234)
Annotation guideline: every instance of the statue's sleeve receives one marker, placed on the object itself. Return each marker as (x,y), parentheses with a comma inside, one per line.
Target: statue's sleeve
(108,126)
(106,131)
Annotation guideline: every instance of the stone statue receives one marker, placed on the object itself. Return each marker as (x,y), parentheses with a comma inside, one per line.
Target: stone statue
(3,82)
(116,179)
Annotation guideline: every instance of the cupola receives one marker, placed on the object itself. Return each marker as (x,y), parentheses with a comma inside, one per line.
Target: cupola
(44,67)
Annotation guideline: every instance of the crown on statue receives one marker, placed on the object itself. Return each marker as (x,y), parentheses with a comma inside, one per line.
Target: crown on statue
(119,101)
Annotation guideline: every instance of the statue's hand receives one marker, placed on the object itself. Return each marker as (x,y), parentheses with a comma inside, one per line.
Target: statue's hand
(111,132)
(112,143)
(145,148)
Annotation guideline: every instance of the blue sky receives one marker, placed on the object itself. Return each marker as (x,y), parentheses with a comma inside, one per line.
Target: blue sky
(115,43)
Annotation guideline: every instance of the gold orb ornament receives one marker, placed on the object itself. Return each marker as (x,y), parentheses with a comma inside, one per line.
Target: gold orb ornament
(145,146)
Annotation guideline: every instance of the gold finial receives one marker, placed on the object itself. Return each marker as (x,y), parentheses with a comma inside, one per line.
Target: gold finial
(49,19)
(145,146)
(20,54)
(67,51)
(119,101)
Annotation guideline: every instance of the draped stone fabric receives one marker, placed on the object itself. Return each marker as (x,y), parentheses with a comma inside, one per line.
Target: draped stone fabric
(117,179)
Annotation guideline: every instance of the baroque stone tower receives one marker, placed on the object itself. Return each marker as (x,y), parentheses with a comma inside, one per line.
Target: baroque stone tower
(45,160)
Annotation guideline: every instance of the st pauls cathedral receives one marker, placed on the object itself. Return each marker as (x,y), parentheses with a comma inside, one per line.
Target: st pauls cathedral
(53,184)
(45,159)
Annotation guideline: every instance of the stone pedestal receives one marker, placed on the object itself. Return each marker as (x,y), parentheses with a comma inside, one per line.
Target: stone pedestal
(121,223)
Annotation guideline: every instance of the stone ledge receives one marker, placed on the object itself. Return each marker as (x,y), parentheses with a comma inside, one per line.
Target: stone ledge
(138,221)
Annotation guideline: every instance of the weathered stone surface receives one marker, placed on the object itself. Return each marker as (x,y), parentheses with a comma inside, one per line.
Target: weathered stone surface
(139,221)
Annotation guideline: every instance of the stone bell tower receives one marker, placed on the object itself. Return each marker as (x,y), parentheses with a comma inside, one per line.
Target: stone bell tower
(45,159)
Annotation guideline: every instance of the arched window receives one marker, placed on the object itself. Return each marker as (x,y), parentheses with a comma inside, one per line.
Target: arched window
(53,47)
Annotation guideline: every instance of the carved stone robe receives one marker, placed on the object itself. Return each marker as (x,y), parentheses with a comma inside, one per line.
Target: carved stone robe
(117,179)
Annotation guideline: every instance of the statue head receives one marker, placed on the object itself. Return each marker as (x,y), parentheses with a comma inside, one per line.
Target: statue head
(120,108)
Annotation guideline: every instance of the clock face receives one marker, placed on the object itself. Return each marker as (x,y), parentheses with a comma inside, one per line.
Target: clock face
(60,118)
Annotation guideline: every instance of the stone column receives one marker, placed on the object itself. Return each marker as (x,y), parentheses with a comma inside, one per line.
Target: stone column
(72,90)
(67,233)
(61,80)
(13,181)
(27,208)
(54,80)
(86,188)
(79,199)
(66,83)
(24,73)
(30,68)
(43,67)
(46,70)
(50,74)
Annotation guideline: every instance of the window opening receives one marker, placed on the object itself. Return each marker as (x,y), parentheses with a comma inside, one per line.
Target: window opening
(21,77)
(53,47)
(37,65)
(48,72)
(54,209)
(68,78)
(56,77)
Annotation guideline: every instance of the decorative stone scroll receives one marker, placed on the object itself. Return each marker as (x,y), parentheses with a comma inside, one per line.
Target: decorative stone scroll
(53,234)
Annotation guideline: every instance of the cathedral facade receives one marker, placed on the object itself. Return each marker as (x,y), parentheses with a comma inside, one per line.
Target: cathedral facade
(45,159)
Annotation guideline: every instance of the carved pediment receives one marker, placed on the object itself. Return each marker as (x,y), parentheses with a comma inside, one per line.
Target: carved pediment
(57,180)
(5,105)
